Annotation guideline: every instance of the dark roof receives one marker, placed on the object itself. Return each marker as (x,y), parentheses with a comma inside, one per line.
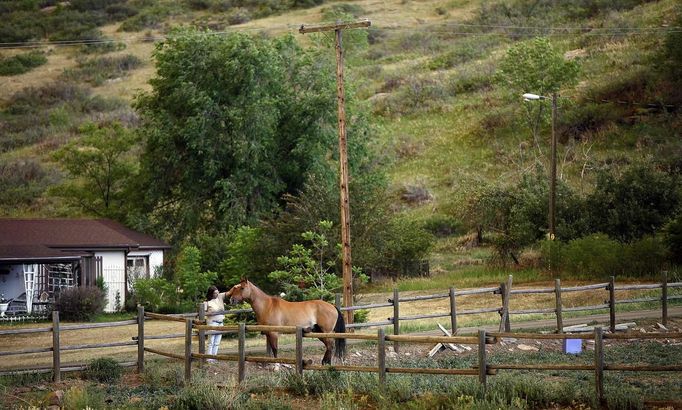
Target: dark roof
(52,238)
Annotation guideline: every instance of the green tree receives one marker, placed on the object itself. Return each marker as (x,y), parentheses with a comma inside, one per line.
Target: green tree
(535,66)
(232,123)
(637,203)
(101,165)
(309,272)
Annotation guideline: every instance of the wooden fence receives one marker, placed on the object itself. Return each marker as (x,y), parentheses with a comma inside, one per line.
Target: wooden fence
(56,329)
(483,369)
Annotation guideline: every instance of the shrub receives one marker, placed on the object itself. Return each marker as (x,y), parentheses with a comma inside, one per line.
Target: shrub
(103,370)
(96,71)
(80,303)
(594,256)
(78,397)
(443,225)
(205,396)
(21,63)
(156,294)
(672,235)
(638,203)
(644,257)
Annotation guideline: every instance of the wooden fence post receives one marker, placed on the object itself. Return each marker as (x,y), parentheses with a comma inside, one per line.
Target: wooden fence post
(453,311)
(482,364)
(599,364)
(381,356)
(559,317)
(396,317)
(299,350)
(241,367)
(188,350)
(505,289)
(140,338)
(202,333)
(664,299)
(612,304)
(56,365)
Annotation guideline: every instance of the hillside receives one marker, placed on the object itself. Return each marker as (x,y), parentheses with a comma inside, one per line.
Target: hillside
(444,124)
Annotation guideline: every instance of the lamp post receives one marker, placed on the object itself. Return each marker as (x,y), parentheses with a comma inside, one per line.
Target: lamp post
(552,177)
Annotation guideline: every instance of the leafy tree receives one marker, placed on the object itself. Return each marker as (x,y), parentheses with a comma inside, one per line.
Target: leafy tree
(535,66)
(309,272)
(672,235)
(232,123)
(191,281)
(639,202)
(101,165)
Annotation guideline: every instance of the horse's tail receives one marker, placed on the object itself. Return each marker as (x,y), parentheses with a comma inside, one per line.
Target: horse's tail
(340,327)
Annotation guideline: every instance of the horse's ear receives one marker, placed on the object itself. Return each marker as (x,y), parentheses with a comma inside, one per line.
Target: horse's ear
(243,280)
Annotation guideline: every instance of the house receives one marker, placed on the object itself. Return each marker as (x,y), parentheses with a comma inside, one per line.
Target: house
(40,257)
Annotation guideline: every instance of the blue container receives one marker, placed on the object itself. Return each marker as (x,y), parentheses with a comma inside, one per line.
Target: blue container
(573,346)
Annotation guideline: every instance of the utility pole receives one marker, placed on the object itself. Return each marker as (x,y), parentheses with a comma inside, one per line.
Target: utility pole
(552,182)
(343,156)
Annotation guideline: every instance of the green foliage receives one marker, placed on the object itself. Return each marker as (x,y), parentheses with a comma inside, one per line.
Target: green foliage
(310,272)
(187,288)
(156,294)
(21,63)
(443,225)
(103,370)
(191,281)
(96,71)
(232,123)
(638,202)
(672,235)
(100,166)
(645,257)
(536,67)
(517,215)
(83,397)
(80,303)
(243,250)
(594,256)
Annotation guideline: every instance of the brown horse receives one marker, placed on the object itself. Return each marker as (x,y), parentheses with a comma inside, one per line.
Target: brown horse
(312,315)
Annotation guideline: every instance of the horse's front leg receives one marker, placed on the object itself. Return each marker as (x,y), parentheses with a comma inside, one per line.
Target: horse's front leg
(272,342)
(329,344)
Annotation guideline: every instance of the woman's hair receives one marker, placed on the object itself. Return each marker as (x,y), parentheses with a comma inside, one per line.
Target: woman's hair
(209,292)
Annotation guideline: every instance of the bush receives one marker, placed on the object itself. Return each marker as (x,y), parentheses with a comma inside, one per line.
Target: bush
(594,256)
(443,225)
(21,63)
(96,71)
(156,294)
(205,396)
(672,235)
(637,203)
(80,303)
(645,257)
(103,370)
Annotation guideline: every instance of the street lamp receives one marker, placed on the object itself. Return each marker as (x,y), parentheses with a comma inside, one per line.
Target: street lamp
(552,178)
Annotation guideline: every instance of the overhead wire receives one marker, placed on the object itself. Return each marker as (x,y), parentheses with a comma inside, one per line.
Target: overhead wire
(443,28)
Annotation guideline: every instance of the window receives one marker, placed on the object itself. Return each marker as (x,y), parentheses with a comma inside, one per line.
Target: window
(137,266)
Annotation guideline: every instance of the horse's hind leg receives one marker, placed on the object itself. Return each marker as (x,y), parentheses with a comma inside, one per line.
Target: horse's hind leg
(329,344)
(272,342)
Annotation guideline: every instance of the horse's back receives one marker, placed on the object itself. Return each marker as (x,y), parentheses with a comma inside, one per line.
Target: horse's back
(307,313)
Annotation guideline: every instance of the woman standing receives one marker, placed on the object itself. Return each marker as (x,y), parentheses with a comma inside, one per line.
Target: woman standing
(215,302)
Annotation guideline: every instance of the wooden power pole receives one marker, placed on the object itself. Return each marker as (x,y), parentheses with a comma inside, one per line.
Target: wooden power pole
(343,156)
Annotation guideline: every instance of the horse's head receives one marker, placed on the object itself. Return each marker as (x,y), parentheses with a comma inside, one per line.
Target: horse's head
(240,292)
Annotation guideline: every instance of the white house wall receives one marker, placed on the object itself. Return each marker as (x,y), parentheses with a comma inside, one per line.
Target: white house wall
(113,270)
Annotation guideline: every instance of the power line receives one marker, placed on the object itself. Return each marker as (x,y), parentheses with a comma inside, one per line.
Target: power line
(444,29)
